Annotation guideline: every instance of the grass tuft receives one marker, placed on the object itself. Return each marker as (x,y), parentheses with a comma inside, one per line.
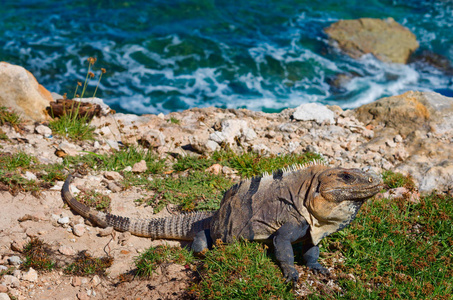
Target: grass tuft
(9,117)
(149,260)
(85,264)
(395,180)
(37,256)
(73,127)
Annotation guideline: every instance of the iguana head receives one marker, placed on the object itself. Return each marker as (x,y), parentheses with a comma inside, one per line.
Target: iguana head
(338,194)
(340,184)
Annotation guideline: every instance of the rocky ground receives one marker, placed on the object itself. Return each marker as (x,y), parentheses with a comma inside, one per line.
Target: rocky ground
(410,133)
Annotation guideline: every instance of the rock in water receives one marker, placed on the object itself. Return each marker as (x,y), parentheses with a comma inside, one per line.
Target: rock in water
(386,39)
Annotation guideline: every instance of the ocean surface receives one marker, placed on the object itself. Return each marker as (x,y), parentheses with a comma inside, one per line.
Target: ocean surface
(170,55)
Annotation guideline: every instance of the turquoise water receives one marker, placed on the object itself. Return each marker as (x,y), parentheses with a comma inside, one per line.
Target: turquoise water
(164,56)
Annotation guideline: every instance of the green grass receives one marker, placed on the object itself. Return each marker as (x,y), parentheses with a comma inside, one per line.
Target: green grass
(397,249)
(241,270)
(73,127)
(7,116)
(198,190)
(96,200)
(395,180)
(118,160)
(147,262)
(251,164)
(38,256)
(85,264)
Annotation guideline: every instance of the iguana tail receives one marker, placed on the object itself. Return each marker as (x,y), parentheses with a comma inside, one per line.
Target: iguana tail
(179,227)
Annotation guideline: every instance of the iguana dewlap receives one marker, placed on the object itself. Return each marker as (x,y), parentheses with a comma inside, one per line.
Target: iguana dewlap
(298,204)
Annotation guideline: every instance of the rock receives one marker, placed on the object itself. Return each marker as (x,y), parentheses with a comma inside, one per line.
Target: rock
(18,245)
(112,175)
(153,138)
(4,296)
(31,275)
(385,39)
(408,111)
(314,112)
(438,177)
(14,260)
(66,250)
(114,187)
(218,137)
(214,169)
(21,92)
(76,281)
(79,229)
(126,169)
(63,220)
(249,134)
(96,280)
(212,146)
(261,149)
(29,176)
(230,130)
(140,167)
(161,116)
(11,281)
(3,289)
(106,231)
(43,130)
(400,192)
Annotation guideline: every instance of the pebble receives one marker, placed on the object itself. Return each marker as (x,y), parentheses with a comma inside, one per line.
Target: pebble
(4,296)
(31,275)
(96,280)
(11,281)
(3,288)
(112,175)
(63,220)
(30,176)
(79,229)
(66,250)
(14,260)
(140,167)
(114,187)
(43,130)
(106,231)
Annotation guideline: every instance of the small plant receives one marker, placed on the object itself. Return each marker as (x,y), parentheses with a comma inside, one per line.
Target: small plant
(85,264)
(12,162)
(94,199)
(37,256)
(149,260)
(7,116)
(73,127)
(241,270)
(72,124)
(394,180)
(118,160)
(192,162)
(174,120)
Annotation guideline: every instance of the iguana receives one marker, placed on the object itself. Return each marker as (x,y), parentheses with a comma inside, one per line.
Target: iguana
(296,204)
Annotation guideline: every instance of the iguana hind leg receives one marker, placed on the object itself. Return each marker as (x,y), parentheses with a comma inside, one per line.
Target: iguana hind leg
(202,241)
(283,239)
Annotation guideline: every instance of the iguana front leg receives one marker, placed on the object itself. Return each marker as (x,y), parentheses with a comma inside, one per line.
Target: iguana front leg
(310,256)
(283,239)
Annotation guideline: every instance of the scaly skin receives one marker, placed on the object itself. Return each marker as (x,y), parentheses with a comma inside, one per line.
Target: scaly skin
(300,204)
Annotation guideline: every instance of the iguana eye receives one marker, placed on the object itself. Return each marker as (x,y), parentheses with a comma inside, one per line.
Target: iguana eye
(370,179)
